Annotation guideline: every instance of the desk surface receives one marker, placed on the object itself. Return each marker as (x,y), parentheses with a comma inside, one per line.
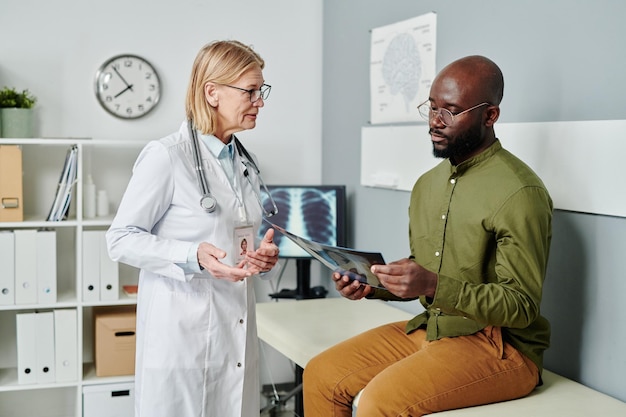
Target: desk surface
(299,329)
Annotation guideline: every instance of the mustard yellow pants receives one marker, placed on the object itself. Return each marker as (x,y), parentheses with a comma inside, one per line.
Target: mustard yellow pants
(406,375)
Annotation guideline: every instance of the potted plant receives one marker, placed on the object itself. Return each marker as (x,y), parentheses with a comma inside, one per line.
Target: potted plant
(16,113)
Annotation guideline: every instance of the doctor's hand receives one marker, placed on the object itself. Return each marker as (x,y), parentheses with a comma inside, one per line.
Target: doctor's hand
(406,278)
(350,288)
(265,257)
(209,258)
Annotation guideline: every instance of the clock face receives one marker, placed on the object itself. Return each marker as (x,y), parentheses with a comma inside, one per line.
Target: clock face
(127,86)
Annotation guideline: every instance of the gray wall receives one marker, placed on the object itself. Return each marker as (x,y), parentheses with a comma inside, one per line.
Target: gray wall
(562,61)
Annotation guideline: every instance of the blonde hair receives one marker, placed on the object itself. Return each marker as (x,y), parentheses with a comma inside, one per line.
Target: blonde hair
(221,62)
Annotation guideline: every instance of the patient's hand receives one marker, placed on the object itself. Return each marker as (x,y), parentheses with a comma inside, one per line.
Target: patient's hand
(349,287)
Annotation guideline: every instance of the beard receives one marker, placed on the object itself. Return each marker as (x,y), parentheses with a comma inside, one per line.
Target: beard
(460,145)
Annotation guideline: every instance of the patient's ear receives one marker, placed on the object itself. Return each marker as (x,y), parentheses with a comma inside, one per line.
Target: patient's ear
(211,94)
(493,113)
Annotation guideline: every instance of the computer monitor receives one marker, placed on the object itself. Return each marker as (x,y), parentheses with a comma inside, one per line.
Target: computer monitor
(314,212)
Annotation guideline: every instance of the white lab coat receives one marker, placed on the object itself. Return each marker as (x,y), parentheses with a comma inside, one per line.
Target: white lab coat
(197,348)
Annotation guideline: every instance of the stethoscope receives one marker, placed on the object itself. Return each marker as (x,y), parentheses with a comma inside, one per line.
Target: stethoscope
(207,201)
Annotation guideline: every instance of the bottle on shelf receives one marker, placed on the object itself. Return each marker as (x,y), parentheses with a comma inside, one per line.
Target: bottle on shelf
(89,203)
(102,203)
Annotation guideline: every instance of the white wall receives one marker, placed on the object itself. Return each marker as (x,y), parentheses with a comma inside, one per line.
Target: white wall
(53,48)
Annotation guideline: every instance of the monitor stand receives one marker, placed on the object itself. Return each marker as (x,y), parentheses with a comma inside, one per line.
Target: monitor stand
(303,290)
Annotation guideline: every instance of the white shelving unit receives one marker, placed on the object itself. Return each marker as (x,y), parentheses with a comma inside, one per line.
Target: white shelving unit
(109,162)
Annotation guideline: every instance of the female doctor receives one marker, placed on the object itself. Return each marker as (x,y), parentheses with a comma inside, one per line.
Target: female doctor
(187,207)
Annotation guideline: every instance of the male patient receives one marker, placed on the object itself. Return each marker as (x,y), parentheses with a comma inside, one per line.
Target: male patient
(479,231)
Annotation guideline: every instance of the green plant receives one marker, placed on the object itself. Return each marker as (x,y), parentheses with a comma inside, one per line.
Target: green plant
(10,97)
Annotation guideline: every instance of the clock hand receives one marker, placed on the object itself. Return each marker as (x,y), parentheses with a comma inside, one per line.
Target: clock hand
(122,78)
(130,87)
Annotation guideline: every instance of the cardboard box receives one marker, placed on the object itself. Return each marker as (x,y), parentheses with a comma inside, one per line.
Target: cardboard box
(114,331)
(11,196)
(108,400)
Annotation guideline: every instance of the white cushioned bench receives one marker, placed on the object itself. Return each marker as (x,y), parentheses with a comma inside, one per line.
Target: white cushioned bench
(302,329)
(557,397)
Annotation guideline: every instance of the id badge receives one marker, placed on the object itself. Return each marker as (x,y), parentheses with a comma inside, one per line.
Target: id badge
(243,241)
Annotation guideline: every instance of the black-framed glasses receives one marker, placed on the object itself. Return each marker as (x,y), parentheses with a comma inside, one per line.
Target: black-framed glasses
(446,116)
(255,94)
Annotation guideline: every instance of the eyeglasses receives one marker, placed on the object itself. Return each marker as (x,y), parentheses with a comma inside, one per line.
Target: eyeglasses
(255,95)
(446,116)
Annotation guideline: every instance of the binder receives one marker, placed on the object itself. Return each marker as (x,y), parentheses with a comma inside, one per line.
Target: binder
(25,267)
(65,345)
(26,348)
(7,268)
(11,192)
(109,273)
(44,326)
(91,265)
(63,197)
(46,266)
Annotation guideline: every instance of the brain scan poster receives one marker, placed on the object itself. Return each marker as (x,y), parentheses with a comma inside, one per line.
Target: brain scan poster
(402,68)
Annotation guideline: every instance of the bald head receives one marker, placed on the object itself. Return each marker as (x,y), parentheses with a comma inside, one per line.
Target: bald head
(479,76)
(470,89)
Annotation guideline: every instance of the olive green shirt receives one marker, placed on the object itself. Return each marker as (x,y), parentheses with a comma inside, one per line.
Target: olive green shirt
(484,227)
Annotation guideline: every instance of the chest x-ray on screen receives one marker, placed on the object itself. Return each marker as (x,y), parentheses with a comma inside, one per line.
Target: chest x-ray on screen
(315,212)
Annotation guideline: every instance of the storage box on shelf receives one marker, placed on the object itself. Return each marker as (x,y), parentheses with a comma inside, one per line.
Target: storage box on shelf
(43,276)
(115,340)
(11,198)
(108,400)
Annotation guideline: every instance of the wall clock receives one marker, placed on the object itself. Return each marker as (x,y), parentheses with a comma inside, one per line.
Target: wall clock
(127,86)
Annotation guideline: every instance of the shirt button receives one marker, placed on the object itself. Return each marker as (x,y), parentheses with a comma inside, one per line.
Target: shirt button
(452,181)
(437,253)
(240,321)
(443,217)
(238,364)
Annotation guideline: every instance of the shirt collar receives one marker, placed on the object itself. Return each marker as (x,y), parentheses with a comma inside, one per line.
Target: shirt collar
(484,155)
(216,146)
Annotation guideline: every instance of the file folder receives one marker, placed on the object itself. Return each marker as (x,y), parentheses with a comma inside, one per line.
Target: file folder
(11,197)
(7,268)
(46,267)
(60,206)
(44,326)
(26,348)
(91,265)
(109,273)
(65,345)
(25,267)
